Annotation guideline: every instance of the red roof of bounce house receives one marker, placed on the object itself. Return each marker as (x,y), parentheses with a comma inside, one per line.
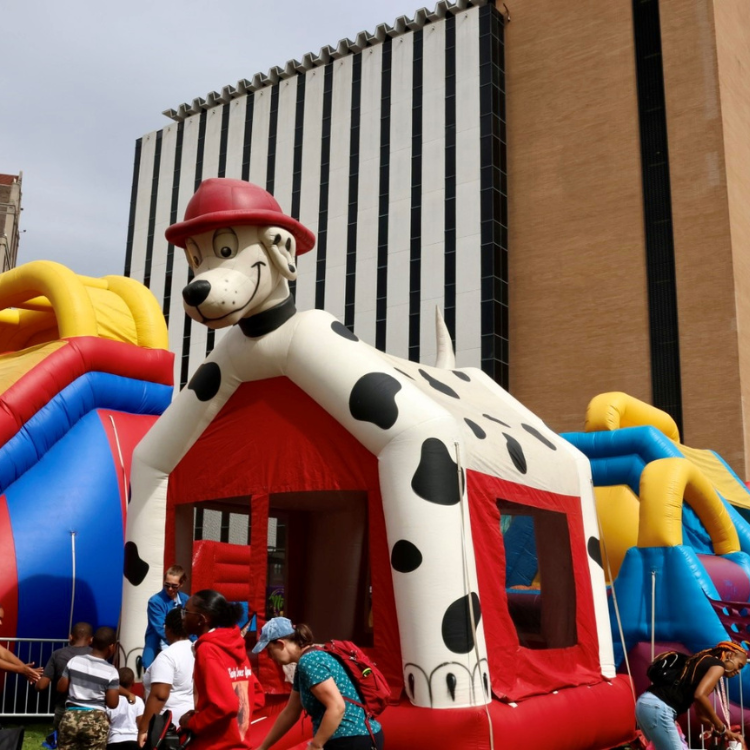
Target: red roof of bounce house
(303,449)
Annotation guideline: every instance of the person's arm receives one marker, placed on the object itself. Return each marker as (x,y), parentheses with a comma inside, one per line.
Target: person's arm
(328,694)
(62,684)
(157,612)
(46,679)
(705,705)
(284,722)
(125,693)
(11,663)
(112,697)
(157,699)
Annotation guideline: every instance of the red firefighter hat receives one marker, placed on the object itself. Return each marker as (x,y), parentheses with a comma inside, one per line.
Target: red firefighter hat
(222,202)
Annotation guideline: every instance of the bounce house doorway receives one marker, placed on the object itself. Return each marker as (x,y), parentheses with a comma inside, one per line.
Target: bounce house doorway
(314,521)
(318,566)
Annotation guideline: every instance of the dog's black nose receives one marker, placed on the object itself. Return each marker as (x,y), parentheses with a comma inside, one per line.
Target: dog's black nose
(195,292)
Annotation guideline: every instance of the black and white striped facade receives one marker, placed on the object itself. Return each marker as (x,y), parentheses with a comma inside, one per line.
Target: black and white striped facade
(391,148)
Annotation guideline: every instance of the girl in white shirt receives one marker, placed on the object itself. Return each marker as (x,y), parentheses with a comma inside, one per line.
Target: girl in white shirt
(171,676)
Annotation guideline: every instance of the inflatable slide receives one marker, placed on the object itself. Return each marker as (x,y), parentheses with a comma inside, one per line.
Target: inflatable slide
(675,540)
(84,372)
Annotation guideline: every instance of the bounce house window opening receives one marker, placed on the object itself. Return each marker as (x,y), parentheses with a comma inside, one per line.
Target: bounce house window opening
(539,582)
(318,563)
(218,524)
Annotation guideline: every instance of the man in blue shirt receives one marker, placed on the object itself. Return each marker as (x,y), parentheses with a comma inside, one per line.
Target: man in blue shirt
(158,606)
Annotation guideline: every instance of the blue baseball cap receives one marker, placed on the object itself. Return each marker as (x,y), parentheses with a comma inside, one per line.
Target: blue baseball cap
(275,628)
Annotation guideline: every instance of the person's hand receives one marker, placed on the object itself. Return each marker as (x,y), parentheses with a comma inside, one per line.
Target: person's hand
(32,674)
(142,738)
(734,736)
(313,746)
(185,718)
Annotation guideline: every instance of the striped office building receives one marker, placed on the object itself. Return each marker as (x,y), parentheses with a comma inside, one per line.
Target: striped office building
(391,149)
(607,249)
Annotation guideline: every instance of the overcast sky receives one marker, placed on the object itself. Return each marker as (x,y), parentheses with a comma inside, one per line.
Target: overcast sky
(81,80)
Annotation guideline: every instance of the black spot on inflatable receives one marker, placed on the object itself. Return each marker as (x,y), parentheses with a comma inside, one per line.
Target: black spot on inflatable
(373,399)
(436,477)
(457,632)
(134,569)
(486,683)
(405,556)
(494,419)
(206,381)
(410,681)
(476,429)
(343,331)
(461,375)
(438,386)
(595,551)
(403,373)
(130,493)
(451,681)
(291,268)
(538,435)
(515,451)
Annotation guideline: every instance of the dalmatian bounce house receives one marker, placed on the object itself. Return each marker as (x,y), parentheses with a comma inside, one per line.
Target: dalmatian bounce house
(420,511)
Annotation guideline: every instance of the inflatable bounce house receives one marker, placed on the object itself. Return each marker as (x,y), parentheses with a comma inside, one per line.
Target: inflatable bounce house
(419,511)
(84,371)
(675,539)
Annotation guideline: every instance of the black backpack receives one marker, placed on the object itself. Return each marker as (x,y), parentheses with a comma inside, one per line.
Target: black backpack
(162,734)
(667,668)
(11,739)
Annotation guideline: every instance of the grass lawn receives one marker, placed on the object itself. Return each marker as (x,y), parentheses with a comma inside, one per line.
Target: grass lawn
(36,731)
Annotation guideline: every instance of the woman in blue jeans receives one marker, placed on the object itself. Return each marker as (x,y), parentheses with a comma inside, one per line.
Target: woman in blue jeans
(658,708)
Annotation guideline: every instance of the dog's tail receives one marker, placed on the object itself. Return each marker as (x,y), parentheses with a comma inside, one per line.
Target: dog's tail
(446,356)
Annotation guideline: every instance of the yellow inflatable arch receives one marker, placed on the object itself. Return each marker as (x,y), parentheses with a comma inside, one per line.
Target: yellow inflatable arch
(44,301)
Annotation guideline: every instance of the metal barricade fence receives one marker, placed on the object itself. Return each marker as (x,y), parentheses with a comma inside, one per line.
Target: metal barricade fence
(19,697)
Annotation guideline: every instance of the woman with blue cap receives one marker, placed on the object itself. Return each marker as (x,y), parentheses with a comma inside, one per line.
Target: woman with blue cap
(322,687)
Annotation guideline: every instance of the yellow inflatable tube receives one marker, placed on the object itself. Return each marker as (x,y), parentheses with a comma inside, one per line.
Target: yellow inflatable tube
(611,411)
(44,301)
(664,484)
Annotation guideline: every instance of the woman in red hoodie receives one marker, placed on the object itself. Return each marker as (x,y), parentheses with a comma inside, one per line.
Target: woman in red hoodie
(223,703)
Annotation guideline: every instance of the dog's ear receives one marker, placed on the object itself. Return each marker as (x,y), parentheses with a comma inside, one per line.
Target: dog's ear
(282,249)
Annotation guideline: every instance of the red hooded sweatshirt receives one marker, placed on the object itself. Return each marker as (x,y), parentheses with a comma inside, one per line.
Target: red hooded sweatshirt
(223,700)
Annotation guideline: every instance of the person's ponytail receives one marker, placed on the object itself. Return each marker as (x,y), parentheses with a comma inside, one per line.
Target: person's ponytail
(302,637)
(220,612)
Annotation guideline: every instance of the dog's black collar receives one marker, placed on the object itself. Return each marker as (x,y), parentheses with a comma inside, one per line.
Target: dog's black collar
(268,320)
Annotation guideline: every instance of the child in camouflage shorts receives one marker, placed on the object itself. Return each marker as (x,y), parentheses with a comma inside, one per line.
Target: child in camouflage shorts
(93,685)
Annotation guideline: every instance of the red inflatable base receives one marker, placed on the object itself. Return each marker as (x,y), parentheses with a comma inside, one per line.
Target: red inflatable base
(584,718)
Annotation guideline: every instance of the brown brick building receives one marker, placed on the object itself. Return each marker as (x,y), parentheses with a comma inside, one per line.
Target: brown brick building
(629,211)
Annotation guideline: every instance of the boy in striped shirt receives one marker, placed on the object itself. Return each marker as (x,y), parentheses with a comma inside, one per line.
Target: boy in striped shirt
(93,685)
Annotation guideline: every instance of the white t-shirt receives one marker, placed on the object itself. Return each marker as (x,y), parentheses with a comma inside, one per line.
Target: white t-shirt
(174,666)
(123,720)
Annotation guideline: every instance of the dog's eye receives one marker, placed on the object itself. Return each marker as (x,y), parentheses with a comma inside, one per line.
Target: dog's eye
(193,254)
(225,243)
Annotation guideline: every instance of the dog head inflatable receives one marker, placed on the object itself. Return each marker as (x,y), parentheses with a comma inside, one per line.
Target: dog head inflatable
(242,248)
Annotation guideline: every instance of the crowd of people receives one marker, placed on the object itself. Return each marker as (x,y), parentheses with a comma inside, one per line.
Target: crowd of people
(196,666)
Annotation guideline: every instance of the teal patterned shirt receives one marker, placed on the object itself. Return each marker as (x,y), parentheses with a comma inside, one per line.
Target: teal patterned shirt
(317,666)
